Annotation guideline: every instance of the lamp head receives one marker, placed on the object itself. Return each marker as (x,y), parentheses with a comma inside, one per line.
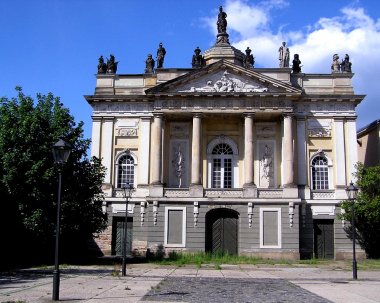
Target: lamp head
(61,152)
(352,191)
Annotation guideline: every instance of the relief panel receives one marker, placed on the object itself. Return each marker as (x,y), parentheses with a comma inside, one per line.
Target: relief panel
(267,163)
(179,163)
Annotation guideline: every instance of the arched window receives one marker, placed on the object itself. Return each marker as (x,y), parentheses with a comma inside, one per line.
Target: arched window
(320,172)
(126,171)
(222,170)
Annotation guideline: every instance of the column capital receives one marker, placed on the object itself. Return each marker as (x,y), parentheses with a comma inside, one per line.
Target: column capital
(287,115)
(339,118)
(96,118)
(197,115)
(249,115)
(351,118)
(158,115)
(146,118)
(109,118)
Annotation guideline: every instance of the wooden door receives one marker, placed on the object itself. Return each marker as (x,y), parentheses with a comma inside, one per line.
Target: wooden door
(118,236)
(222,231)
(324,239)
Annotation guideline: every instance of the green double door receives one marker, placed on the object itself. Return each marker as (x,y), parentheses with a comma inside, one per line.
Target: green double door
(222,231)
(324,239)
(118,236)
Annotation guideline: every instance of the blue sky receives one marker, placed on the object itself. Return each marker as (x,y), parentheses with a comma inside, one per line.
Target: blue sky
(54,46)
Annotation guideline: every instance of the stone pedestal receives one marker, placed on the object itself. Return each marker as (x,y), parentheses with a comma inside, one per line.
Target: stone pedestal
(249,191)
(290,192)
(156,190)
(196,190)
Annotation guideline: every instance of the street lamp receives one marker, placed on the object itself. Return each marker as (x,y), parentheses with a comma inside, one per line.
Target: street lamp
(127,188)
(61,152)
(352,192)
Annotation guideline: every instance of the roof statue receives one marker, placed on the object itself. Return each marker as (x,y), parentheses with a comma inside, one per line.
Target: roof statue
(111,65)
(161,52)
(283,55)
(296,68)
(249,60)
(335,65)
(221,25)
(149,65)
(345,66)
(197,60)
(102,67)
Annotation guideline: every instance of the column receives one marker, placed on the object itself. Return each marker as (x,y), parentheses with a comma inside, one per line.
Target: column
(340,154)
(287,152)
(196,187)
(144,150)
(248,150)
(106,153)
(156,165)
(196,151)
(301,151)
(96,132)
(352,149)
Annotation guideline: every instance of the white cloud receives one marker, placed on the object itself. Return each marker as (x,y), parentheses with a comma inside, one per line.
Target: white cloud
(351,31)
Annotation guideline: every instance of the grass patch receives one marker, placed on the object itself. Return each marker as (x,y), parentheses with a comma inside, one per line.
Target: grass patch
(369,264)
(216,259)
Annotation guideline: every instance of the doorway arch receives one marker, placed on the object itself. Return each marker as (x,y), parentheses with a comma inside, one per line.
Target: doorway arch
(222,231)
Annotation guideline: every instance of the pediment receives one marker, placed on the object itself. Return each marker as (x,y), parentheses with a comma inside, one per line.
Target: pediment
(223,77)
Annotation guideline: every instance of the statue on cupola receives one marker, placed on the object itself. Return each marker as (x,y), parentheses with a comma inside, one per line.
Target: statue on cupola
(221,24)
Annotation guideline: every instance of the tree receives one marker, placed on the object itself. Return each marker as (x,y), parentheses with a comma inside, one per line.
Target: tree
(367,209)
(28,178)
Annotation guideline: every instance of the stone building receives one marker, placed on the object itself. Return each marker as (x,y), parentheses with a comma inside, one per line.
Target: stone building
(226,157)
(369,144)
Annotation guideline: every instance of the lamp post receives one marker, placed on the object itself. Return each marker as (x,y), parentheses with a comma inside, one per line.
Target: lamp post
(127,194)
(61,152)
(352,192)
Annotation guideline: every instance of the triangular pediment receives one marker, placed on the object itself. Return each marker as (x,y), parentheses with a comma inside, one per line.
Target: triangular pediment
(223,77)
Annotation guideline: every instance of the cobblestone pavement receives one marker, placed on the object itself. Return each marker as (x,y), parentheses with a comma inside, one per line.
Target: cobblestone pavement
(230,283)
(209,290)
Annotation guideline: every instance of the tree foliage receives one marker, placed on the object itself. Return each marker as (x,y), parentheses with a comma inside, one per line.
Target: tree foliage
(28,177)
(367,209)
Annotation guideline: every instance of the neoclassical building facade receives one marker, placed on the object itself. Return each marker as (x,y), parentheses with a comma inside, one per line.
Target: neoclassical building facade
(226,157)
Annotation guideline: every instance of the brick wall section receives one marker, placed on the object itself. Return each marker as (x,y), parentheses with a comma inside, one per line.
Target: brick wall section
(104,240)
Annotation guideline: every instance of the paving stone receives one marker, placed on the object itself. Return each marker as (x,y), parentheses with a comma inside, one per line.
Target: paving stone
(210,290)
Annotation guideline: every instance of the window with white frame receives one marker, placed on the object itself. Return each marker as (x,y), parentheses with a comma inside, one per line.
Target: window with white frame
(125,171)
(175,226)
(270,228)
(320,172)
(222,173)
(222,163)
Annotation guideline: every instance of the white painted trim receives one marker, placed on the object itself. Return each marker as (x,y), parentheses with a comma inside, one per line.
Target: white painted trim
(144,149)
(234,157)
(106,148)
(222,139)
(183,244)
(278,210)
(116,172)
(96,134)
(329,165)
(340,153)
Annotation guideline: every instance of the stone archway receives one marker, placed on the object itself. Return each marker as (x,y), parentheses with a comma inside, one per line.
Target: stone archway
(222,231)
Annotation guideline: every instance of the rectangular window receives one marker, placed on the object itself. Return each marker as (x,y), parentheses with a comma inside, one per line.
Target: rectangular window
(217,173)
(227,173)
(270,227)
(175,226)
